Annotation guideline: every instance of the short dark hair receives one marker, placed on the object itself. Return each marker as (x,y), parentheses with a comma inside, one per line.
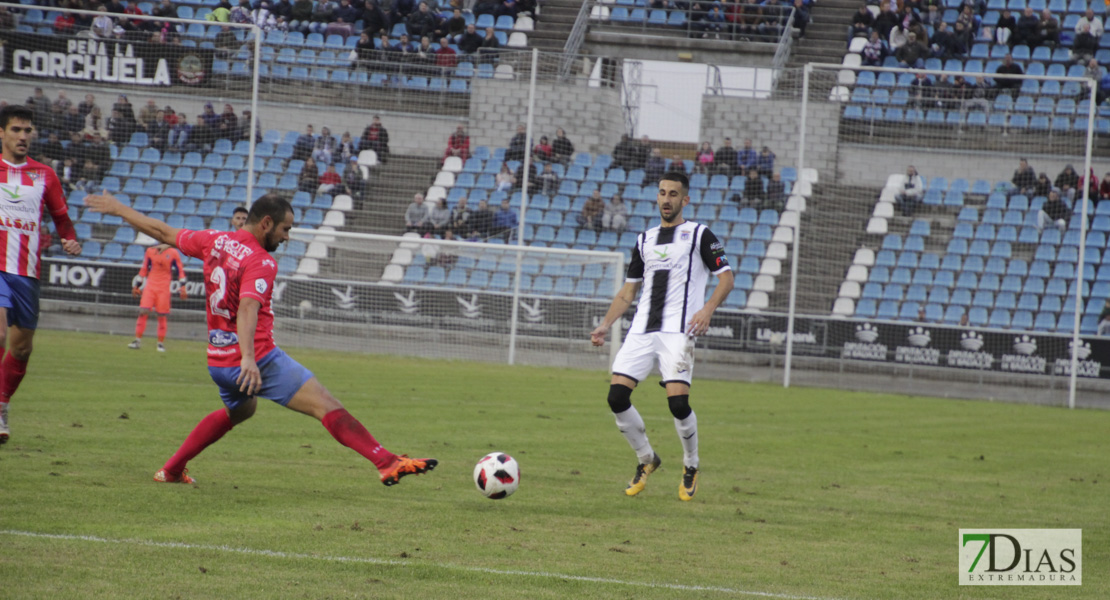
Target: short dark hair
(239,209)
(269,205)
(679,177)
(15,111)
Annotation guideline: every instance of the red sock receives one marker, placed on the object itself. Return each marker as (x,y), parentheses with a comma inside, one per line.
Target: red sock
(349,432)
(210,429)
(140,326)
(162,327)
(12,371)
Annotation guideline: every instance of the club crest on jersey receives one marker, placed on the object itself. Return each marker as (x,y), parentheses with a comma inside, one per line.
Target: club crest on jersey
(684,236)
(33,176)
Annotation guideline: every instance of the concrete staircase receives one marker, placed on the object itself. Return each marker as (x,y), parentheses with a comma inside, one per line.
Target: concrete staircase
(825,42)
(553,24)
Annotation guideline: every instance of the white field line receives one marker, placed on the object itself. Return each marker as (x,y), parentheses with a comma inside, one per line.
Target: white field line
(406,563)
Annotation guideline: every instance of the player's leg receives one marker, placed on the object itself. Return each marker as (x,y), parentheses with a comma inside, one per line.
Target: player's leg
(140,328)
(5,431)
(633,363)
(20,295)
(676,363)
(290,384)
(162,309)
(238,407)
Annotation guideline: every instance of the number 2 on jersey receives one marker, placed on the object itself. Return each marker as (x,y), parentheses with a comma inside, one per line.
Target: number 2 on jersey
(216,297)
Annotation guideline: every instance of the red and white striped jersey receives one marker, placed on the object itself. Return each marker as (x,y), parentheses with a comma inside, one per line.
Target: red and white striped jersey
(25,190)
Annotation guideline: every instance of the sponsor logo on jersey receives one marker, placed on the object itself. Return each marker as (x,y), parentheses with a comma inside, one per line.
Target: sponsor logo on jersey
(224,243)
(11,195)
(222,339)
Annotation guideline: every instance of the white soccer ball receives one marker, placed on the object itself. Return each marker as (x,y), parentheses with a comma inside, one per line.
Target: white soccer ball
(497,475)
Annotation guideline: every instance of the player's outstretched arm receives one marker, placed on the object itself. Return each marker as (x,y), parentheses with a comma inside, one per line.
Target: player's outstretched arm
(620,304)
(109,205)
(699,323)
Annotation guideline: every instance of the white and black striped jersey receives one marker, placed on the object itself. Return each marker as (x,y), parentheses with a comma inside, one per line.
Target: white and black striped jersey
(674,264)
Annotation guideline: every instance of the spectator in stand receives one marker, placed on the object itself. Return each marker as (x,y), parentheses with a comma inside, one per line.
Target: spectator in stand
(119,130)
(401,11)
(458,144)
(347,13)
(202,136)
(86,105)
(615,217)
(504,180)
(64,24)
(126,111)
(1092,181)
(103,26)
(446,58)
(40,104)
(911,55)
(388,55)
(373,19)
(549,180)
(1048,30)
(60,107)
(469,42)
(754,193)
(329,181)
(1005,28)
(98,151)
(1094,71)
(970,22)
(244,130)
(944,43)
(490,46)
(590,217)
(874,52)
(178,136)
(365,50)
(76,149)
(347,150)
(300,16)
(1054,211)
(376,138)
(861,23)
(643,152)
(1024,179)
(324,152)
(353,184)
(562,147)
(534,182)
(1104,188)
(801,18)
(456,25)
(406,48)
(322,14)
(90,176)
(624,154)
(1027,31)
(517,144)
(747,157)
(439,218)
(703,160)
(460,217)
(94,124)
(486,7)
(505,221)
(1084,46)
(1093,23)
(228,125)
(776,192)
(309,178)
(51,152)
(724,160)
(542,150)
(678,165)
(481,222)
(159,131)
(765,164)
(714,23)
(417,216)
(913,190)
(339,27)
(421,22)
(886,20)
(210,117)
(1008,67)
(148,114)
(932,16)
(306,142)
(1067,181)
(1042,187)
(655,167)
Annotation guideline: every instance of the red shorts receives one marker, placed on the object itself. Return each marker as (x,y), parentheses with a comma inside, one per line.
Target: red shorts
(157,300)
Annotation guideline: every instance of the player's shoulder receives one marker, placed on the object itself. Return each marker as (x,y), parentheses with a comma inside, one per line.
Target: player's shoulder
(33,165)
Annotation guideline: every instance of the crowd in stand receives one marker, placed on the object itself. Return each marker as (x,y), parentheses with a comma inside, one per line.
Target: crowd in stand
(739,19)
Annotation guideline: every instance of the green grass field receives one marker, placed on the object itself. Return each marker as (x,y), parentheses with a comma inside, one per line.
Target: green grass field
(804,492)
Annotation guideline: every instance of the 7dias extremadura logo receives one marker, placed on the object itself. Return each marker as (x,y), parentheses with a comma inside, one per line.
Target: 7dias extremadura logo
(1021,557)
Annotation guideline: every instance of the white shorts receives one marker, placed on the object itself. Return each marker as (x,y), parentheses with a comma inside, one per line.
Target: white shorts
(674,350)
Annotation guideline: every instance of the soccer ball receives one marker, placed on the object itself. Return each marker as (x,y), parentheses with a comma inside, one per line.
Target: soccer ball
(497,475)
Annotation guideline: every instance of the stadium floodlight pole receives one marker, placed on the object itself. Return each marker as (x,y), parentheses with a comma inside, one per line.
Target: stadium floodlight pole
(1092,86)
(523,204)
(256,31)
(790,313)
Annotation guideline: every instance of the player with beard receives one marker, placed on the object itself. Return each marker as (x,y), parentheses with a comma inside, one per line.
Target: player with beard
(243,360)
(672,262)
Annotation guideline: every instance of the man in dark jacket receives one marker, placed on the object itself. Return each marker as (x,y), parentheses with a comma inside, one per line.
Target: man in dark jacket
(724,159)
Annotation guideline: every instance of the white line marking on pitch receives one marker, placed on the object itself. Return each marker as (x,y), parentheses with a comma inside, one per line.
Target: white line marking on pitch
(405,563)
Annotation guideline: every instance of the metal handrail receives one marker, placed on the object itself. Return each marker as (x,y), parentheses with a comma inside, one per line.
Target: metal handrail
(785,46)
(689,26)
(574,40)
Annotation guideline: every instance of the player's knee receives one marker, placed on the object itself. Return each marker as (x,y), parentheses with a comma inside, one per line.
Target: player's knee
(21,351)
(680,406)
(243,410)
(620,398)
